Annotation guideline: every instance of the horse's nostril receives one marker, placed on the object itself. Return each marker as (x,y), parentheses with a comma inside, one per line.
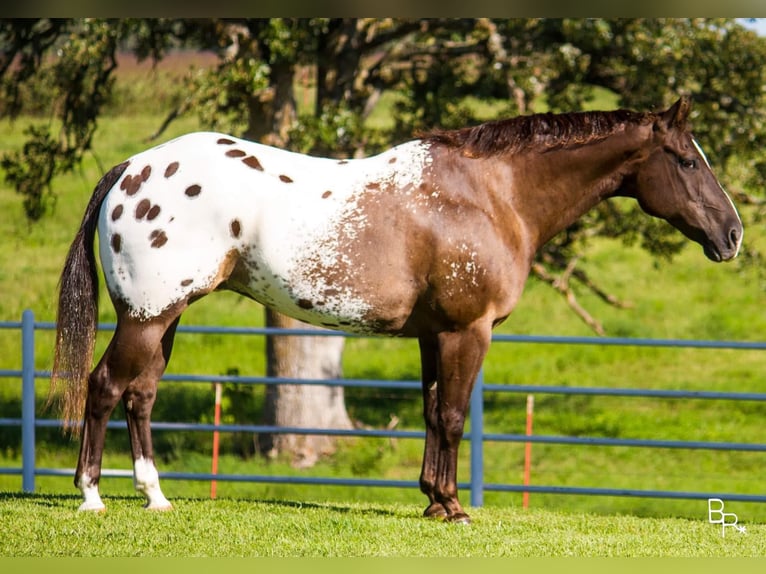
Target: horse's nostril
(734,236)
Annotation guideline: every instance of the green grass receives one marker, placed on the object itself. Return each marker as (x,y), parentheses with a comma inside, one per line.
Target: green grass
(688,298)
(48,526)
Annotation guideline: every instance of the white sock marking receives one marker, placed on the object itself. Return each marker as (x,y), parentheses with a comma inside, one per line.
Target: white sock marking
(91,498)
(147,481)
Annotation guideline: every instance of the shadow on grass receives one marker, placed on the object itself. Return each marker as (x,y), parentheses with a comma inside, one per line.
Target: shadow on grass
(73,501)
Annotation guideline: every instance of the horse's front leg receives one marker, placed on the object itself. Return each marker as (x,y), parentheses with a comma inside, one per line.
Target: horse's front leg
(428,362)
(460,356)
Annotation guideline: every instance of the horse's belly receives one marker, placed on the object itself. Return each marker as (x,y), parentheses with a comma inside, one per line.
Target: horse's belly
(318,288)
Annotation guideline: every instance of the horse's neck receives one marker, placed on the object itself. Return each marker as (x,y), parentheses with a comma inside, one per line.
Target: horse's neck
(554,189)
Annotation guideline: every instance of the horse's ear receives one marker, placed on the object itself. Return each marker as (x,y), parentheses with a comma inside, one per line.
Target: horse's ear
(676,115)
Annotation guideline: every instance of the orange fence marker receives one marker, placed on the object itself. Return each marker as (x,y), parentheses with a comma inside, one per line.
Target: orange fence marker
(528,450)
(216,422)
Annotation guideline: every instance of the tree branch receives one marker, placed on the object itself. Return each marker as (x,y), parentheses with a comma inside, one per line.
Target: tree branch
(174,113)
(561,284)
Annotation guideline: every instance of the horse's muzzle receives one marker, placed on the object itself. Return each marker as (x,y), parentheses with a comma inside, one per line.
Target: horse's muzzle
(728,248)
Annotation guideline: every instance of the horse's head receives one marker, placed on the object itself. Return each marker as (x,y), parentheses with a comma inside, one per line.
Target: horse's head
(675,182)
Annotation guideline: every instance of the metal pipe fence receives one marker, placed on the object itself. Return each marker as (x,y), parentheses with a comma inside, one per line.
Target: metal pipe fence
(477,436)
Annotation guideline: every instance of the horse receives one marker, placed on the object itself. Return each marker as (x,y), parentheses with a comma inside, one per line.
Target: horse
(432,239)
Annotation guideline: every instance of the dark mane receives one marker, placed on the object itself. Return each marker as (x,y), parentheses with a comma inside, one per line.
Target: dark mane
(539,131)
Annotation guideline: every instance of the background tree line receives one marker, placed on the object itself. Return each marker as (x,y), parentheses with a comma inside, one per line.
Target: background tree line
(64,69)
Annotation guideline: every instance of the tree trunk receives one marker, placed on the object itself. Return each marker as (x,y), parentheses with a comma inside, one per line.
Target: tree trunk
(300,405)
(272,112)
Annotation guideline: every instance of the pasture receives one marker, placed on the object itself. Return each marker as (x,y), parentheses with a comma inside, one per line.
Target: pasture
(46,526)
(686,298)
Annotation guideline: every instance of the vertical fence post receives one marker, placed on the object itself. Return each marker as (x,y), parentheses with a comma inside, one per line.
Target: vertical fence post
(28,401)
(477,442)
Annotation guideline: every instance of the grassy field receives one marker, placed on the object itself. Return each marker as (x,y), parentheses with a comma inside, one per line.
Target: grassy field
(686,298)
(45,526)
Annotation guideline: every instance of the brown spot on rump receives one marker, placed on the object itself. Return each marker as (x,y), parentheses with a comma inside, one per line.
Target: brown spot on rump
(135,185)
(285,179)
(193,190)
(158,238)
(343,162)
(326,194)
(373,185)
(392,160)
(142,208)
(252,161)
(235,153)
(116,242)
(171,169)
(117,212)
(224,141)
(131,184)
(187,282)
(305,304)
(146,172)
(235,227)
(153,212)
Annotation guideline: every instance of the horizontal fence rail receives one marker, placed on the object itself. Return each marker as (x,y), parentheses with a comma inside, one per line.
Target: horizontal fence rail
(476,436)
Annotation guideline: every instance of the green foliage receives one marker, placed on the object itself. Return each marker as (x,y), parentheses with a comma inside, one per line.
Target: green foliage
(32,170)
(78,81)
(220,97)
(649,62)
(335,132)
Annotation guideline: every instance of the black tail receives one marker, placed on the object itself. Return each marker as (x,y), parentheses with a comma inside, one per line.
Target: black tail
(77,314)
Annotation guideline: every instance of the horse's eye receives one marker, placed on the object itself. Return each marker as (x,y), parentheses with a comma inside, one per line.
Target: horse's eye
(687,163)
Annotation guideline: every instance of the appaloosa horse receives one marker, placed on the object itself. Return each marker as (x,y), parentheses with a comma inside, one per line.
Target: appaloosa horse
(431,239)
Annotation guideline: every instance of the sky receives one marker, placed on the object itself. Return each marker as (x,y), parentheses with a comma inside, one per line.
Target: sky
(759,25)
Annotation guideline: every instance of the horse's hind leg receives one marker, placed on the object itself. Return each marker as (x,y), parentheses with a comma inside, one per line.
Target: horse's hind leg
(138,400)
(130,353)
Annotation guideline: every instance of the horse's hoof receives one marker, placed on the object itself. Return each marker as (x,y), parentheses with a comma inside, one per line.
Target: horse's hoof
(92,507)
(158,507)
(459,518)
(436,511)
